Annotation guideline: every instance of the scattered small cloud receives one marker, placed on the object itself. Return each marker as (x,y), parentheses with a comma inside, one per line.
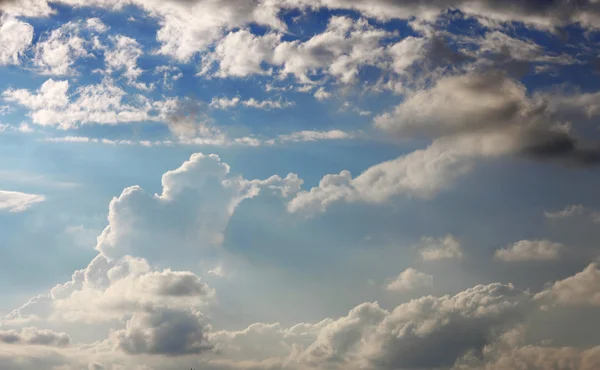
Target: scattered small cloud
(530,250)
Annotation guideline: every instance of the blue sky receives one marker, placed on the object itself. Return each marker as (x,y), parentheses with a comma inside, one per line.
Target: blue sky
(315,184)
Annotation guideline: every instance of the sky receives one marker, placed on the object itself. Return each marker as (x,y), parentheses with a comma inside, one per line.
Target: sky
(299,184)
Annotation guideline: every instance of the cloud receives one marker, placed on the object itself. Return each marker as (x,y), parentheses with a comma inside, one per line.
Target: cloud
(340,51)
(410,279)
(470,117)
(122,57)
(422,173)
(308,135)
(108,291)
(530,250)
(26,8)
(166,332)
(546,15)
(218,271)
(432,249)
(188,27)
(463,103)
(568,211)
(170,75)
(581,289)
(322,94)
(103,103)
(202,194)
(225,103)
(56,51)
(417,334)
(96,25)
(34,336)
(543,357)
(13,201)
(15,38)
(240,54)
(499,45)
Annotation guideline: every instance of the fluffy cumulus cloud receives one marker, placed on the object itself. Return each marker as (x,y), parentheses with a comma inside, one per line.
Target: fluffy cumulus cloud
(158,316)
(530,250)
(340,50)
(14,201)
(410,279)
(580,289)
(417,334)
(202,193)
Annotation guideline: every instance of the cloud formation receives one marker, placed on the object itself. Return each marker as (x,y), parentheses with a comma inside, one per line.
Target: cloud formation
(530,250)
(14,201)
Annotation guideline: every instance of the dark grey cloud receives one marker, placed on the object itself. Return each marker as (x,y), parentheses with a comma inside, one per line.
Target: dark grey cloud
(562,147)
(166,332)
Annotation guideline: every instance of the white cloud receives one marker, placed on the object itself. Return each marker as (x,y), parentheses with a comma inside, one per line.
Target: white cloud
(202,189)
(122,57)
(410,279)
(581,289)
(26,8)
(530,250)
(170,75)
(405,338)
(13,201)
(57,51)
(568,211)
(422,173)
(112,291)
(340,51)
(406,52)
(15,38)
(85,139)
(190,27)
(496,42)
(96,25)
(240,54)
(308,135)
(322,94)
(218,271)
(52,105)
(225,103)
(470,117)
(432,249)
